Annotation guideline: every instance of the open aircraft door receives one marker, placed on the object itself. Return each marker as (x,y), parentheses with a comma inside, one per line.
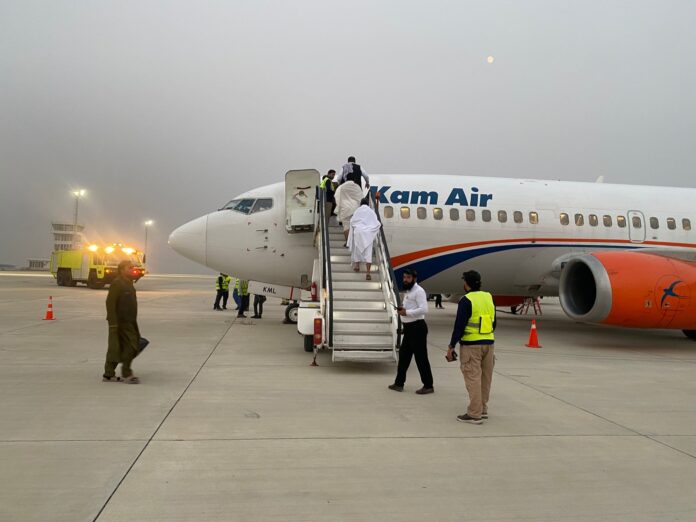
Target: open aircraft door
(300,196)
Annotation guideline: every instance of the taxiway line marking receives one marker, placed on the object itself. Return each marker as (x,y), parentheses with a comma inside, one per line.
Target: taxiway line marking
(159,426)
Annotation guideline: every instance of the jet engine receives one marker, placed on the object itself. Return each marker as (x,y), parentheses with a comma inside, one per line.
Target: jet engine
(633,289)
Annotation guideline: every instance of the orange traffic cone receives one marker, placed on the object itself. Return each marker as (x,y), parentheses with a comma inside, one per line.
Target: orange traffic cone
(533,337)
(49,310)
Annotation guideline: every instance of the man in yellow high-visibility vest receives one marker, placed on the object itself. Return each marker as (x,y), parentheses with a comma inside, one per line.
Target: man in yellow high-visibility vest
(328,184)
(473,330)
(222,287)
(243,297)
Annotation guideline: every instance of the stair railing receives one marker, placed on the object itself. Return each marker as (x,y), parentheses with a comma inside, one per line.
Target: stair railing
(325,258)
(390,286)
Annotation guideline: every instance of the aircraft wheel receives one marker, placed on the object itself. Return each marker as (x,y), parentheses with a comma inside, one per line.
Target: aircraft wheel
(291,313)
(93,281)
(691,334)
(308,343)
(67,278)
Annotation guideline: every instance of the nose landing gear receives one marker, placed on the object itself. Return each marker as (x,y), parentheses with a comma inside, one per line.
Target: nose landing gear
(291,313)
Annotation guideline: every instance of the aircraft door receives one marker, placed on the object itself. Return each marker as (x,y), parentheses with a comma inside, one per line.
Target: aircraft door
(300,198)
(636,226)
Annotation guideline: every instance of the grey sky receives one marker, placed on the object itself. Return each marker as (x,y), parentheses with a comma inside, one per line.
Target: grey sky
(166,109)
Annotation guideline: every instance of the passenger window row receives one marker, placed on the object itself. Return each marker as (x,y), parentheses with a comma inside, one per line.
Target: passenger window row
(454,215)
(636,221)
(593,220)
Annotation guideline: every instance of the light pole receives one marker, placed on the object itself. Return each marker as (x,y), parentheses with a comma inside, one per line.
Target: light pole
(78,194)
(147,224)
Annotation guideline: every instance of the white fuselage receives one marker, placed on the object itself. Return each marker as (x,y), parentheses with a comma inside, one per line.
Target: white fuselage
(439,225)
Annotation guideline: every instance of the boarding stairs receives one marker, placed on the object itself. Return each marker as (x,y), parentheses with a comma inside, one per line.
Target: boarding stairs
(361,323)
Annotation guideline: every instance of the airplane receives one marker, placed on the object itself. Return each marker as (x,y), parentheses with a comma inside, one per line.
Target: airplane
(622,255)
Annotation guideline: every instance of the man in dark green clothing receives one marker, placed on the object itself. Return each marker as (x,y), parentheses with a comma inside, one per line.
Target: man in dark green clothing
(124,336)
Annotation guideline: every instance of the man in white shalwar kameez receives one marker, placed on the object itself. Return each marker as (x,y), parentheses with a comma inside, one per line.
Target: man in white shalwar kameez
(348,197)
(364,227)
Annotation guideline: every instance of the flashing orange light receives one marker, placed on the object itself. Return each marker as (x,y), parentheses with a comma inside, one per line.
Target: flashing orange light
(92,248)
(128,251)
(109,250)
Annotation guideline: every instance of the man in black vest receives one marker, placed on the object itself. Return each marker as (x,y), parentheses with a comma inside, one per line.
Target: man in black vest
(353,172)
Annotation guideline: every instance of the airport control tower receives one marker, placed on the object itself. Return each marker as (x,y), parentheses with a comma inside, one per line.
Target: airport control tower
(67,236)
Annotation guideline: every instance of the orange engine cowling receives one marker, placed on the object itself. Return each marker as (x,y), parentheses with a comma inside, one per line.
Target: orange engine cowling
(631,289)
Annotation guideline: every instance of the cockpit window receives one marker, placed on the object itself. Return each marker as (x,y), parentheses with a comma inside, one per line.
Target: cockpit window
(240,205)
(262,205)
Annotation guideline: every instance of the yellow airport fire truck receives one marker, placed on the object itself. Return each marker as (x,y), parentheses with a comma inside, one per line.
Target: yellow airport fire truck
(94,265)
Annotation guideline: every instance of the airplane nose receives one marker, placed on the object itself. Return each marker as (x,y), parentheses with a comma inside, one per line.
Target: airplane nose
(190,240)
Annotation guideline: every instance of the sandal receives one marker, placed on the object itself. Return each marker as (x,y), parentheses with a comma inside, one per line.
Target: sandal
(131,380)
(356,269)
(368,277)
(110,379)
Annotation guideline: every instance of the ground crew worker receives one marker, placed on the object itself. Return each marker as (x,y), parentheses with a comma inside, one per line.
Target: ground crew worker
(258,306)
(329,185)
(243,297)
(222,285)
(473,330)
(124,335)
(415,340)
(235,293)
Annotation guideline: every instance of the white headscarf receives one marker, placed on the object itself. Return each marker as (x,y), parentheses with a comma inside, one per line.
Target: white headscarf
(348,197)
(364,227)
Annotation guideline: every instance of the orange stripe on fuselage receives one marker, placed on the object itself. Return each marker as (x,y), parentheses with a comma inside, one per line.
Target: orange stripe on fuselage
(428,252)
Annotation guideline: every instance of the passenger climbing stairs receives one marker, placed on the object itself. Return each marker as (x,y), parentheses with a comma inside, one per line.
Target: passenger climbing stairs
(362,322)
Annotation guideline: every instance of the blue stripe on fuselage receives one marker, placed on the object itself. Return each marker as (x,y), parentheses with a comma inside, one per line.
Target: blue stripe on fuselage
(434,265)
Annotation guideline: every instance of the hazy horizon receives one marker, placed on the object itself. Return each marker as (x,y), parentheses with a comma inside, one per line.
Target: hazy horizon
(166,110)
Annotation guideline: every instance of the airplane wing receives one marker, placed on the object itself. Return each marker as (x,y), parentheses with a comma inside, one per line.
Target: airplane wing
(682,254)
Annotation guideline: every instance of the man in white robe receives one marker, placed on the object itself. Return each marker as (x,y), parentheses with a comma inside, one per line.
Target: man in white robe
(364,227)
(348,197)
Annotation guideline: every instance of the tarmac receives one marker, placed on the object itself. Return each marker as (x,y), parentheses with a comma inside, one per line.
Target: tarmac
(232,423)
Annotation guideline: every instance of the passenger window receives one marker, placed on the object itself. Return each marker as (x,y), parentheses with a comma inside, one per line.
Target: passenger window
(534,218)
(388,212)
(471,215)
(594,221)
(517,216)
(454,214)
(405,212)
(686,224)
(437,213)
(671,223)
(579,220)
(607,220)
(564,218)
(262,205)
(485,215)
(654,223)
(621,221)
(502,216)
(421,213)
(636,222)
